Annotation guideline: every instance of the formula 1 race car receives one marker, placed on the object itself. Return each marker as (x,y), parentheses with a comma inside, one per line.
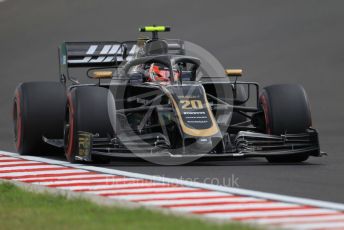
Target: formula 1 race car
(150,98)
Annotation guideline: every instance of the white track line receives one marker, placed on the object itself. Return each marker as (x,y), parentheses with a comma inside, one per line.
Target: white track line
(298,219)
(238,191)
(326,225)
(283,213)
(237,207)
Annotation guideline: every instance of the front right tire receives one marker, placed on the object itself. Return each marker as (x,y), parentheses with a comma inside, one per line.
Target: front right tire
(87,111)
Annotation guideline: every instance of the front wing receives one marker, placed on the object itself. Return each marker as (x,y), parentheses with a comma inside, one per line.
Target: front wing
(245,144)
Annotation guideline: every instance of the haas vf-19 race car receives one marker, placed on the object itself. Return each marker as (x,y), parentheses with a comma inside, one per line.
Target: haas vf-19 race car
(155,97)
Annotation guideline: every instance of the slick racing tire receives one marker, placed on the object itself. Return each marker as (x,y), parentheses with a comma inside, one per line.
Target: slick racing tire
(86,111)
(38,110)
(286,110)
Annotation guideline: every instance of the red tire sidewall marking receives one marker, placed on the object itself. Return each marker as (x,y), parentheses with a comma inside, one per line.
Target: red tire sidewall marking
(70,145)
(264,102)
(19,122)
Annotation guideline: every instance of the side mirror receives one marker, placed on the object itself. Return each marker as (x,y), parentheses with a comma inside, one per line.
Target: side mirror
(233,72)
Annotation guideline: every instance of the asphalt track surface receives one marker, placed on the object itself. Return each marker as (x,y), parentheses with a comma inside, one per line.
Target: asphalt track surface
(273,41)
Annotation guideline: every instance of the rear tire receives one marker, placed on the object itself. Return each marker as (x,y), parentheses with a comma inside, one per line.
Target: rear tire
(87,110)
(286,110)
(38,110)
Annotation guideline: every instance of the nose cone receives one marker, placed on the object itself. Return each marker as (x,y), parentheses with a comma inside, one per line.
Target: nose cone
(203,145)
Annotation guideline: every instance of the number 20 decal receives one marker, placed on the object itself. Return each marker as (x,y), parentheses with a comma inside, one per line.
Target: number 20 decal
(191,104)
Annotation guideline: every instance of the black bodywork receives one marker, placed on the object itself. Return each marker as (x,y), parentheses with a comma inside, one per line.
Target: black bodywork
(191,117)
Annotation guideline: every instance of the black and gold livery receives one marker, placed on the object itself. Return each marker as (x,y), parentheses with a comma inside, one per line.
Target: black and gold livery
(124,112)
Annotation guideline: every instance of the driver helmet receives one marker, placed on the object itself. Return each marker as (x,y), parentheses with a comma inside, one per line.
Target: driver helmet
(158,73)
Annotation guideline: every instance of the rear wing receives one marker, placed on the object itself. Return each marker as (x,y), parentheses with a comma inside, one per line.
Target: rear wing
(92,54)
(102,54)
